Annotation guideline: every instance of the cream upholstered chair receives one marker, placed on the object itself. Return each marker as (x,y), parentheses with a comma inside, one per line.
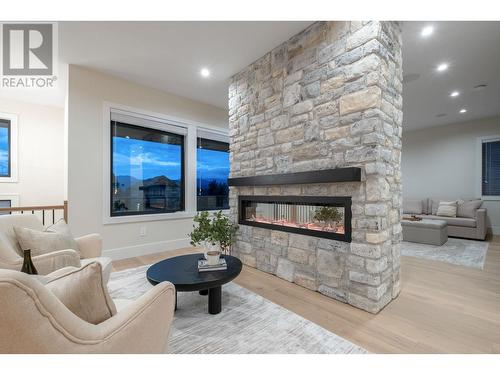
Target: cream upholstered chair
(89,246)
(34,320)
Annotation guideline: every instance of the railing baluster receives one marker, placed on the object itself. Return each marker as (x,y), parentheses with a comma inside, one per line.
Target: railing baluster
(65,211)
(35,209)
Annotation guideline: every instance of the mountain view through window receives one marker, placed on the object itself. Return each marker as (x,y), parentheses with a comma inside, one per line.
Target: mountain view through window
(212,174)
(147,170)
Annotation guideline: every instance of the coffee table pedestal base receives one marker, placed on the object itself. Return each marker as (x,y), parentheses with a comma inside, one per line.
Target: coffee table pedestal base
(214,300)
(182,271)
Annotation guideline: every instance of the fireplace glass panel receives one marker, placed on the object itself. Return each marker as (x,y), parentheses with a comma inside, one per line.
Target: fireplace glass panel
(316,217)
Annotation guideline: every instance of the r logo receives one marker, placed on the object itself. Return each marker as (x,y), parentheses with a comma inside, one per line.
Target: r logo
(27,49)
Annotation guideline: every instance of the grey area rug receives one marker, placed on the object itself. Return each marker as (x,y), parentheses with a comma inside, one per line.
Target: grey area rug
(457,251)
(248,322)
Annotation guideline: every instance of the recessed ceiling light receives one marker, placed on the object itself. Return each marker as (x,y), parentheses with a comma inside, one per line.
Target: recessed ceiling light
(454,94)
(479,87)
(442,67)
(463,110)
(205,72)
(427,31)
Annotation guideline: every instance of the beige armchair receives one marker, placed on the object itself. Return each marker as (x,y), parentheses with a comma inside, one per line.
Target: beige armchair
(33,320)
(90,247)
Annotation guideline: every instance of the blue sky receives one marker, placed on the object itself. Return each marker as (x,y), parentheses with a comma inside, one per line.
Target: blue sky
(212,165)
(143,159)
(4,150)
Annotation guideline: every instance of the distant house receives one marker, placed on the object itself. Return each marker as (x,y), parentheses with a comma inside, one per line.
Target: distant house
(161,193)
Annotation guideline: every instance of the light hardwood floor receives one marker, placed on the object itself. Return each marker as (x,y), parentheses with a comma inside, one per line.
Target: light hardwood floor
(442,308)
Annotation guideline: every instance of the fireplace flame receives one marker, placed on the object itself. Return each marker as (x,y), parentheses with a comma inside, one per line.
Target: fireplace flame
(311,225)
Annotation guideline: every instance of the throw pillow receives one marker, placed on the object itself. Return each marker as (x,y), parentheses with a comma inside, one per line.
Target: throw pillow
(426,206)
(60,227)
(469,208)
(412,207)
(434,204)
(448,209)
(44,242)
(84,293)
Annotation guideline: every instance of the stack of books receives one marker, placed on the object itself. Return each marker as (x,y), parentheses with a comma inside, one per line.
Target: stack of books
(203,266)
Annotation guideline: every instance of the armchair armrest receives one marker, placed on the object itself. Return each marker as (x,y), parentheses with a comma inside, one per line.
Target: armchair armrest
(143,326)
(49,327)
(90,245)
(482,223)
(47,263)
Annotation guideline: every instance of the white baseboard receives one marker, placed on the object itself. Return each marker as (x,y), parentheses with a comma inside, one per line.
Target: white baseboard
(144,249)
(495,229)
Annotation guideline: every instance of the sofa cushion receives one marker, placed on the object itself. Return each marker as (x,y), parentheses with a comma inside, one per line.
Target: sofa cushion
(426,206)
(8,236)
(455,221)
(434,204)
(106,266)
(84,292)
(60,227)
(412,206)
(43,242)
(447,208)
(468,208)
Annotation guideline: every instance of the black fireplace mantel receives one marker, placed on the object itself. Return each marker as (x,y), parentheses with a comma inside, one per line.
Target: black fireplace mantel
(351,174)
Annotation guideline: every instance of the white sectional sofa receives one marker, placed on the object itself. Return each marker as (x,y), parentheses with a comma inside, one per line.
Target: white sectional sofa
(470,221)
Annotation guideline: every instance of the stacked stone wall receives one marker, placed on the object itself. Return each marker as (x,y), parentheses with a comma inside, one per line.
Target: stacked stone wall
(329,97)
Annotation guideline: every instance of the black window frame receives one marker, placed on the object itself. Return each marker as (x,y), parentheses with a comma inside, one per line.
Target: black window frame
(484,169)
(9,206)
(7,123)
(183,172)
(200,139)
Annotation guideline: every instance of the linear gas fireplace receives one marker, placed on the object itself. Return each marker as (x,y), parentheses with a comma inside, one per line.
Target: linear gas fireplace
(326,217)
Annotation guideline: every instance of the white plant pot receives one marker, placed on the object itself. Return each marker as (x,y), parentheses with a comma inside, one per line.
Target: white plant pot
(207,246)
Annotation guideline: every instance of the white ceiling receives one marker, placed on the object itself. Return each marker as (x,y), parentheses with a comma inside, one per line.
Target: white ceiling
(169,55)
(472,49)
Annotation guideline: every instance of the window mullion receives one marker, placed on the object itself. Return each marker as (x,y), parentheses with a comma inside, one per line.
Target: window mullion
(190,170)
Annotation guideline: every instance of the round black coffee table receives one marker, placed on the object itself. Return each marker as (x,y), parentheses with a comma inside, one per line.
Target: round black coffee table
(182,271)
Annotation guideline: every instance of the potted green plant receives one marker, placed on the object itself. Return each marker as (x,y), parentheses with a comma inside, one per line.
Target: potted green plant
(213,233)
(330,216)
(201,234)
(223,232)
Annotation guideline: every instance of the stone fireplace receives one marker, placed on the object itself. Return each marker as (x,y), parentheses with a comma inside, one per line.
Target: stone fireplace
(315,142)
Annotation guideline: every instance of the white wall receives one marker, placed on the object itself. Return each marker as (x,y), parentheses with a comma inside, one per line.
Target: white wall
(87,92)
(440,162)
(40,153)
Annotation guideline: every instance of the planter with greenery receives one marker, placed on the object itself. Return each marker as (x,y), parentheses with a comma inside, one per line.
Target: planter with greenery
(330,216)
(211,231)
